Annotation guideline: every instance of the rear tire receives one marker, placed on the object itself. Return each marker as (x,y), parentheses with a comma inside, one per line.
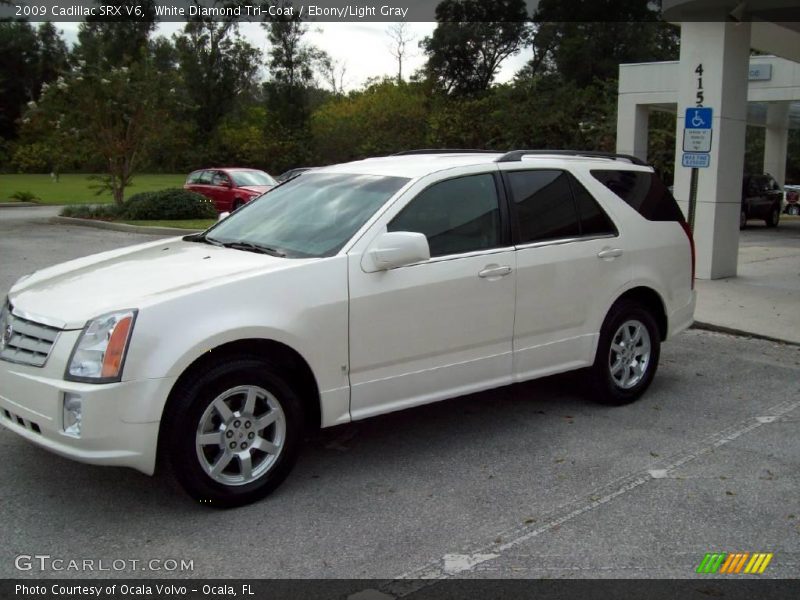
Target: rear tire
(232,434)
(627,354)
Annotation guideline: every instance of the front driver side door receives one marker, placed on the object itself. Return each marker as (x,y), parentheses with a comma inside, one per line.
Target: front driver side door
(442,327)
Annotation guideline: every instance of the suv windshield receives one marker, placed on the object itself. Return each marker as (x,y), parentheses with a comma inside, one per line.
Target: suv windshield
(311,216)
(241,178)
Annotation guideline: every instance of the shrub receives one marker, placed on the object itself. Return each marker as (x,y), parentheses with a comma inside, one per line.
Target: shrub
(165,205)
(31,158)
(103,212)
(25,197)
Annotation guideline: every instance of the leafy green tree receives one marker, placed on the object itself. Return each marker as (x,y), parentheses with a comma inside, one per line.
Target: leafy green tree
(471,40)
(19,79)
(107,41)
(108,112)
(608,33)
(218,70)
(53,55)
(292,64)
(384,118)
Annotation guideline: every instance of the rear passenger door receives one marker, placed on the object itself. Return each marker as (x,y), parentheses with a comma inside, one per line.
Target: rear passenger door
(570,261)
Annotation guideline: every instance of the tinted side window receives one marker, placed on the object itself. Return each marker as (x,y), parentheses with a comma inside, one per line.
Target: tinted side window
(205,178)
(194,177)
(545,209)
(594,220)
(219,178)
(644,192)
(457,215)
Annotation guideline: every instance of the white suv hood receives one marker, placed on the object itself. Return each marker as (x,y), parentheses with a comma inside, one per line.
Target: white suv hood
(69,294)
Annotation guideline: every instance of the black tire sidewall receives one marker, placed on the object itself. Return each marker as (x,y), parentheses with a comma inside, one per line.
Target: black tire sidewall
(774,217)
(188,406)
(603,387)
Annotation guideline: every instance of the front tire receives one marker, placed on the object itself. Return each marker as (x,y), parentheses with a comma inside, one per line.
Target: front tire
(232,435)
(627,354)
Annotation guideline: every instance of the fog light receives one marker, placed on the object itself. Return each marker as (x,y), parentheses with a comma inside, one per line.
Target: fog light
(73,414)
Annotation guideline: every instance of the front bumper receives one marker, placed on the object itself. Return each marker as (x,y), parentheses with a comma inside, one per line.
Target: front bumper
(120,421)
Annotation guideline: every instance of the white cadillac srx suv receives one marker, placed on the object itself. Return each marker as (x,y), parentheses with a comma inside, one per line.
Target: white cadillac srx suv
(347,292)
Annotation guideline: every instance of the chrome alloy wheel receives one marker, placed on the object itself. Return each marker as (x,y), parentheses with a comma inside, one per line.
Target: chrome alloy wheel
(240,435)
(629,355)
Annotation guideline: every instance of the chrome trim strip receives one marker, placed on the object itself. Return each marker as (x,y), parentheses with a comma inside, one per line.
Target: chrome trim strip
(561,241)
(38,319)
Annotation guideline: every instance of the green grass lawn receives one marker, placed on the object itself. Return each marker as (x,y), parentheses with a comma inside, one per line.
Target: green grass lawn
(75,189)
(185,224)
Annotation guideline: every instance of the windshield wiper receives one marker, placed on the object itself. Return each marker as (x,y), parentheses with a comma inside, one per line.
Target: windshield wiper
(202,238)
(251,247)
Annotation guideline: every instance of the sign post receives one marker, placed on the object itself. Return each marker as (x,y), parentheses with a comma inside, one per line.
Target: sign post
(697,135)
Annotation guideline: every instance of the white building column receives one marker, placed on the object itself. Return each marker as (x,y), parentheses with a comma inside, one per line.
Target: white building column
(723,49)
(776,142)
(633,122)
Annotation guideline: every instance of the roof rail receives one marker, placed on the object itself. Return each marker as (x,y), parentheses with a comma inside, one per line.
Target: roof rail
(444,151)
(516,155)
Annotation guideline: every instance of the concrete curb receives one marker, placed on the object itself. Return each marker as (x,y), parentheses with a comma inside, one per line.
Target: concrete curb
(123,226)
(739,333)
(19,204)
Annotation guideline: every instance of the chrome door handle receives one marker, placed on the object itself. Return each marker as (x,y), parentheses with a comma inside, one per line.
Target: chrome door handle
(609,253)
(492,271)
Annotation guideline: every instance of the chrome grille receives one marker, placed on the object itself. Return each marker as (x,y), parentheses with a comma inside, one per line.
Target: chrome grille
(25,342)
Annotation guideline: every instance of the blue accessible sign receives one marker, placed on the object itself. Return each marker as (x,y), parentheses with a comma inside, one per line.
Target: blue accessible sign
(697,132)
(698,118)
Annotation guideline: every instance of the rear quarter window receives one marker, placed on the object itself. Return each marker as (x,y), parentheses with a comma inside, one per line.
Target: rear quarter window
(642,191)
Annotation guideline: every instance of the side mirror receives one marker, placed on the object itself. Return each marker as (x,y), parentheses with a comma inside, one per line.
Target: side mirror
(223,215)
(396,249)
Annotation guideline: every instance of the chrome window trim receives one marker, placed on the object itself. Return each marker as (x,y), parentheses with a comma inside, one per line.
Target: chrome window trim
(560,241)
(449,257)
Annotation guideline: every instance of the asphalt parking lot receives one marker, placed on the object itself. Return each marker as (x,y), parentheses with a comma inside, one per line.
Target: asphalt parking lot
(529,481)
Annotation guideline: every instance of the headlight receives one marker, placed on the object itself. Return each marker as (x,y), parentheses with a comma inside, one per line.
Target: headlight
(99,353)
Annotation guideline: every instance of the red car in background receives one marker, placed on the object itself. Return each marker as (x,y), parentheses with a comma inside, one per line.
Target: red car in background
(229,189)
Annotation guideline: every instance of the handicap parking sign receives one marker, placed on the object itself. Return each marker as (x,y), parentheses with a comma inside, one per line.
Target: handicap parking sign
(697,129)
(698,118)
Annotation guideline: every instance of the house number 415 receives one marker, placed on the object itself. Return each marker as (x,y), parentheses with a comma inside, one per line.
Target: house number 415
(699,97)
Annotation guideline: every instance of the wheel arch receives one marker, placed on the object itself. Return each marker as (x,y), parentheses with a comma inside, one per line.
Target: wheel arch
(294,368)
(650,299)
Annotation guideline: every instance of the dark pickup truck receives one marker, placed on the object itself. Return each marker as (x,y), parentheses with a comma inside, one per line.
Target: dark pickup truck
(761,199)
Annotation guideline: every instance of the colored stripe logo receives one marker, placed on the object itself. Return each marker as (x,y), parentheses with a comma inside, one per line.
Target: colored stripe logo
(733,563)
